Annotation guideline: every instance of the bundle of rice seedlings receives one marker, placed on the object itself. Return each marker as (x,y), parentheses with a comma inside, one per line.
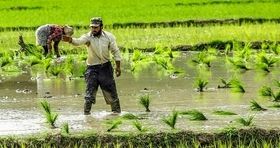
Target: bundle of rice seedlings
(171,119)
(256,107)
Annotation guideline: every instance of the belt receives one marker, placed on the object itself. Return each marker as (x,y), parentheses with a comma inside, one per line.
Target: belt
(99,65)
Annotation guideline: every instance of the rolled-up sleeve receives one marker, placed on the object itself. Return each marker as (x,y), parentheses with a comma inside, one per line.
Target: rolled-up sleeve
(79,41)
(115,49)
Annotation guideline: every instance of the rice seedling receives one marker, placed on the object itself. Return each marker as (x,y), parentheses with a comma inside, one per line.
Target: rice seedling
(194,115)
(65,128)
(221,112)
(239,64)
(277,83)
(225,84)
(163,62)
(256,106)
(139,126)
(200,84)
(268,60)
(171,119)
(114,124)
(5,60)
(246,121)
(268,92)
(276,105)
(50,116)
(242,53)
(33,60)
(145,102)
(265,61)
(275,49)
(55,69)
(129,116)
(138,56)
(203,58)
(236,86)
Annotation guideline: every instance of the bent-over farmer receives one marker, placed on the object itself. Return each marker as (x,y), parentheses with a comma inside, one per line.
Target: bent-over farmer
(99,70)
(49,33)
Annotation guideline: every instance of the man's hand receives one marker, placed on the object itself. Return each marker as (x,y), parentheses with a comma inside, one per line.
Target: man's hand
(66,38)
(118,71)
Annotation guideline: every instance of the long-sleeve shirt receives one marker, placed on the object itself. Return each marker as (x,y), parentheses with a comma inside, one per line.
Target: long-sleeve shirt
(99,48)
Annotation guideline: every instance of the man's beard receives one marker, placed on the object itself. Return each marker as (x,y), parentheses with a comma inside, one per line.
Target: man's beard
(97,33)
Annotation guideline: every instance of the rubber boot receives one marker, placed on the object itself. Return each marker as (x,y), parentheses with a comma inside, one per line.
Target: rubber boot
(87,107)
(115,106)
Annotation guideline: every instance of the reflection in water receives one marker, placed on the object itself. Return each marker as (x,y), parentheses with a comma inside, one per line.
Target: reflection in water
(20,112)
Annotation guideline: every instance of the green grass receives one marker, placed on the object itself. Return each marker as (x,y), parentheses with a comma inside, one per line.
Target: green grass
(150,37)
(122,11)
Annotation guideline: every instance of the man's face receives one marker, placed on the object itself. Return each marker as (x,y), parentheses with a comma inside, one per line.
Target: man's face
(96,30)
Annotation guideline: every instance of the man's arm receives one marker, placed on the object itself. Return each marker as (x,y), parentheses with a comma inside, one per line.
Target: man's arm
(76,41)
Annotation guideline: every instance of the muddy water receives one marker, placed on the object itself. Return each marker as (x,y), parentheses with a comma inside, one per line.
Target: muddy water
(20,96)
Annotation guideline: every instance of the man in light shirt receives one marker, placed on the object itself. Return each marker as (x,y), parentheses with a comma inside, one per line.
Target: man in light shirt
(99,69)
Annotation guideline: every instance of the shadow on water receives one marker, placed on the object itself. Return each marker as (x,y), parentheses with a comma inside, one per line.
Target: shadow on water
(20,112)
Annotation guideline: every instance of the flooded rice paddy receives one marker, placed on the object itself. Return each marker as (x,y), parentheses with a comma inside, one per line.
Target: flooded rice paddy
(21,113)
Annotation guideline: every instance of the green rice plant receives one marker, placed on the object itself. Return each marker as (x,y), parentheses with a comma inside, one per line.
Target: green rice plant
(277,83)
(114,124)
(268,92)
(145,102)
(276,105)
(239,64)
(65,128)
(171,119)
(139,126)
(163,62)
(46,63)
(194,115)
(138,56)
(50,116)
(225,84)
(263,67)
(33,60)
(5,60)
(242,54)
(275,49)
(203,58)
(236,86)
(221,112)
(200,84)
(55,69)
(256,106)
(265,61)
(246,121)
(129,116)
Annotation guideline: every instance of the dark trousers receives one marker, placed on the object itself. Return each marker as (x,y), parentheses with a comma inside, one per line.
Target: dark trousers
(101,75)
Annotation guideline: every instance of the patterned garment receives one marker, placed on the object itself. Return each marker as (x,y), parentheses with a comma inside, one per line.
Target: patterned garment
(55,34)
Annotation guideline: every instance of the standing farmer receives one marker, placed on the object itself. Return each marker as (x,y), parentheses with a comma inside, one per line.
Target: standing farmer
(49,33)
(99,69)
